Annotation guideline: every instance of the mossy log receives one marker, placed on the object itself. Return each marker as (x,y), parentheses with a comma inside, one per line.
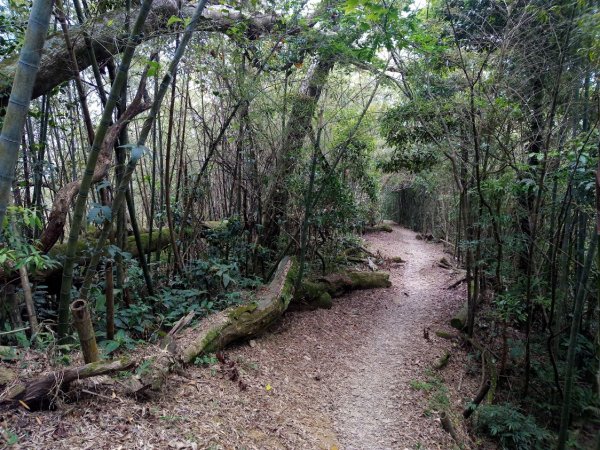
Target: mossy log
(218,330)
(52,276)
(245,321)
(445,335)
(41,392)
(319,293)
(459,321)
(378,228)
(442,361)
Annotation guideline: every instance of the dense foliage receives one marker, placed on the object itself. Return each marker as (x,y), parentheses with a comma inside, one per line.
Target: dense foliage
(289,127)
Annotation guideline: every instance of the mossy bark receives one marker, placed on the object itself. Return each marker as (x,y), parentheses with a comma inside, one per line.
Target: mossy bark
(243,322)
(105,32)
(319,293)
(51,276)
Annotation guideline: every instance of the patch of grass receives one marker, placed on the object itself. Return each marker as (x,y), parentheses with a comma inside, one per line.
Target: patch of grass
(419,385)
(170,418)
(438,400)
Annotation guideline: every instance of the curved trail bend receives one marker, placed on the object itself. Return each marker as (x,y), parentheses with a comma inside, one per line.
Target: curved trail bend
(325,379)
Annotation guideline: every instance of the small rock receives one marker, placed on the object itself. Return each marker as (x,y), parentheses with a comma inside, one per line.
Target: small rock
(252,343)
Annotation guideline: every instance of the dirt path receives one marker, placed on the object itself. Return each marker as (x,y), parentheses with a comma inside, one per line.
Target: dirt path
(376,407)
(325,379)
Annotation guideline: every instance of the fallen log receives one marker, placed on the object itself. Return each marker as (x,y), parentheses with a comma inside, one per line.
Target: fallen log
(52,275)
(42,392)
(379,228)
(446,335)
(218,330)
(314,294)
(245,321)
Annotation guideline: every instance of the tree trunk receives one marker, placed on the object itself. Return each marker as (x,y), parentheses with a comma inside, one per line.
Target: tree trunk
(302,112)
(105,33)
(318,293)
(85,330)
(243,322)
(23,82)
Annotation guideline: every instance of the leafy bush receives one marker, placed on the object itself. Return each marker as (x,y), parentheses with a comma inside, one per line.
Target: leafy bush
(514,430)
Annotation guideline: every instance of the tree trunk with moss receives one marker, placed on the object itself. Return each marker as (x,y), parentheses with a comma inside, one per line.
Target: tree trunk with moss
(299,123)
(314,294)
(51,276)
(246,321)
(105,33)
(220,329)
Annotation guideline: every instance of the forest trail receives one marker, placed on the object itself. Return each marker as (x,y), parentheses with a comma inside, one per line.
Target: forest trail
(376,406)
(325,379)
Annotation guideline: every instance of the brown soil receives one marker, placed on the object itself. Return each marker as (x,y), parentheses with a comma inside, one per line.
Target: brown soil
(338,378)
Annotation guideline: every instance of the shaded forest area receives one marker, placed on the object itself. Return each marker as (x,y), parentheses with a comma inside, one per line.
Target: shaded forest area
(166,165)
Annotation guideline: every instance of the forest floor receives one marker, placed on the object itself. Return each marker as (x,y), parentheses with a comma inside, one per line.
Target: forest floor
(357,376)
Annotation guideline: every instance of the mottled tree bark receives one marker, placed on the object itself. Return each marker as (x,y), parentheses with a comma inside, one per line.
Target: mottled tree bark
(106,35)
(298,126)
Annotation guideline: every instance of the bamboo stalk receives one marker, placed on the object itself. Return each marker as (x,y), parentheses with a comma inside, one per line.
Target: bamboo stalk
(20,96)
(80,205)
(146,128)
(33,322)
(83,324)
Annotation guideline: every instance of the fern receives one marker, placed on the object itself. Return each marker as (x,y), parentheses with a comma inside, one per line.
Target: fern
(514,430)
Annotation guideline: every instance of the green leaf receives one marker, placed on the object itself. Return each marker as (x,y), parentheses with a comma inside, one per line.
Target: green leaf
(226,280)
(174,19)
(111,346)
(351,5)
(137,152)
(154,66)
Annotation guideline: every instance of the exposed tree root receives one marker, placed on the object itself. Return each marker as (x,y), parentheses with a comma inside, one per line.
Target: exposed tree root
(489,378)
(449,427)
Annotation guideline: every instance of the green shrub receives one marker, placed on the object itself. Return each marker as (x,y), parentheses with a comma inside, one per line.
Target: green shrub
(514,430)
